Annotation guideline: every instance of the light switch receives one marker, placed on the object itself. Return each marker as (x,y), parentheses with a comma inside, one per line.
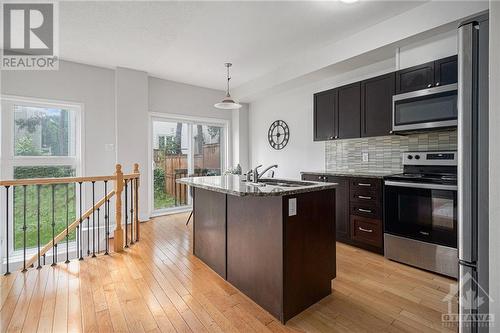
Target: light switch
(292,207)
(109,147)
(365,157)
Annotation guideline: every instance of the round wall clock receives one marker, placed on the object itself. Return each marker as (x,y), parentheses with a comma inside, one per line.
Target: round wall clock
(278,134)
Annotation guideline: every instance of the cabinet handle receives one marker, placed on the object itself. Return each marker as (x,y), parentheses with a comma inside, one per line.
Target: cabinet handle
(391,132)
(364,184)
(437,84)
(429,85)
(364,210)
(364,197)
(365,230)
(424,233)
(336,136)
(331,138)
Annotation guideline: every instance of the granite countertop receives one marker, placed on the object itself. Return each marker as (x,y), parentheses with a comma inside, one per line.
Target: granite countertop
(232,184)
(349,173)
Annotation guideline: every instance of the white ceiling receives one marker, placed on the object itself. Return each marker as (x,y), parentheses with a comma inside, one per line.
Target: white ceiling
(189,41)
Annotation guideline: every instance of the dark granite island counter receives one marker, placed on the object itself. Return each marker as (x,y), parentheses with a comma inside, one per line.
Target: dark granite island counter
(275,243)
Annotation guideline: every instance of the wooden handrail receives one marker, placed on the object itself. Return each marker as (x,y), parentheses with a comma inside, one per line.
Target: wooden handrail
(132,175)
(63,180)
(119,181)
(71,227)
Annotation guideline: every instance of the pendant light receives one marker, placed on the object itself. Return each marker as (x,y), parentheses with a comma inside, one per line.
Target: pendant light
(228,103)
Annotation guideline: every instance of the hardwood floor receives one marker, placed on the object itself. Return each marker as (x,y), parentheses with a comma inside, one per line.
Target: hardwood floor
(158,285)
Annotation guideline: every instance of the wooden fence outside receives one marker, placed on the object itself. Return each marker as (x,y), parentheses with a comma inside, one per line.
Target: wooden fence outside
(176,166)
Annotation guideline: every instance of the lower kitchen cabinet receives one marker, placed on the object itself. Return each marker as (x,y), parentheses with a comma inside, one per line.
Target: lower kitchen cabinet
(367,231)
(341,203)
(358,209)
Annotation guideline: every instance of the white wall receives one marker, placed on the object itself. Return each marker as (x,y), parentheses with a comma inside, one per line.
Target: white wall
(494,132)
(179,98)
(240,137)
(295,106)
(132,136)
(436,47)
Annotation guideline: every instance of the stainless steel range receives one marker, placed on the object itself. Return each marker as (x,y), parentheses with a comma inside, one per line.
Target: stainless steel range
(421,212)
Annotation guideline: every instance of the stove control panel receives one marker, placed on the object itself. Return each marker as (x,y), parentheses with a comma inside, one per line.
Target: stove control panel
(430,158)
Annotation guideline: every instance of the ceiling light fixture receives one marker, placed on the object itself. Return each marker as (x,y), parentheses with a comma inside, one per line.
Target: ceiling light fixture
(349,1)
(228,103)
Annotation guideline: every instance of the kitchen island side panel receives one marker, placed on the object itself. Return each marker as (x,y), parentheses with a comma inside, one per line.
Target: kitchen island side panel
(255,249)
(209,229)
(309,250)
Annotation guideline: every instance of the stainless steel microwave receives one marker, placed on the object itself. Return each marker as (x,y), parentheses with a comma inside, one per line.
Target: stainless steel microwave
(425,109)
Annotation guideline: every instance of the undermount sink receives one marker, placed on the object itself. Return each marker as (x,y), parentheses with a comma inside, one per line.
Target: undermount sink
(284,183)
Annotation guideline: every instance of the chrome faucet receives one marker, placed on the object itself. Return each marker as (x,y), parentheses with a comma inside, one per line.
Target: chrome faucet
(257,175)
(254,175)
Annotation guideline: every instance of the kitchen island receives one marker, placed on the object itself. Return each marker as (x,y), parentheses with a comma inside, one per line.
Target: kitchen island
(274,240)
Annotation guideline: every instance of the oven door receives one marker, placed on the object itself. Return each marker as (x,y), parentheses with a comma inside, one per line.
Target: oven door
(425,109)
(426,212)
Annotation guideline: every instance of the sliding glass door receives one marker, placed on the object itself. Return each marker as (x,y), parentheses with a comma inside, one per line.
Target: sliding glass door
(183,149)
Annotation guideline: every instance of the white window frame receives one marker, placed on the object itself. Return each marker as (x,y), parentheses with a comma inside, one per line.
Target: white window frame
(8,160)
(190,120)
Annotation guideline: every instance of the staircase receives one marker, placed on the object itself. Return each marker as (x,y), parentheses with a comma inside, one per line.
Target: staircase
(36,234)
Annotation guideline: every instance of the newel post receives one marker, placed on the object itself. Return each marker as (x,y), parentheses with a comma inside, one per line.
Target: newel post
(136,203)
(118,234)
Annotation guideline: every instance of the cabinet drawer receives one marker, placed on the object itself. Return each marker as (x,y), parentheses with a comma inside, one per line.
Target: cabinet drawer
(371,211)
(367,197)
(365,185)
(366,230)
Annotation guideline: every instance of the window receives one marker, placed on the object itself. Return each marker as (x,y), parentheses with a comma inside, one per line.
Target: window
(181,148)
(40,139)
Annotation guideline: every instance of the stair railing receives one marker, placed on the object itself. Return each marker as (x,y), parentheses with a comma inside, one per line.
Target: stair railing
(85,223)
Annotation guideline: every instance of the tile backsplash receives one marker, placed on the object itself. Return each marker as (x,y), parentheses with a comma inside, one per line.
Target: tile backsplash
(384,153)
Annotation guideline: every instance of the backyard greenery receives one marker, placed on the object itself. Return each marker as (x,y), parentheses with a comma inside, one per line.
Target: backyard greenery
(161,199)
(45,205)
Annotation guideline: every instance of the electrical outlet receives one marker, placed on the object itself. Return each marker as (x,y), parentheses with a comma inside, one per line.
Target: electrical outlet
(292,207)
(365,157)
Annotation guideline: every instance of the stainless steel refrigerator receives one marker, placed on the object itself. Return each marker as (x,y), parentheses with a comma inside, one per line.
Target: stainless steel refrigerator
(473,174)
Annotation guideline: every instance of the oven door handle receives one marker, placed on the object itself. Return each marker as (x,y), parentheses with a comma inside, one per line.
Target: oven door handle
(422,185)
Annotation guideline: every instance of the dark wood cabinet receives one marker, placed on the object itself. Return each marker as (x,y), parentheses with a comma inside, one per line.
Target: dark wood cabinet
(415,78)
(367,231)
(446,71)
(364,109)
(366,204)
(358,210)
(209,229)
(325,115)
(376,105)
(432,74)
(349,111)
(341,203)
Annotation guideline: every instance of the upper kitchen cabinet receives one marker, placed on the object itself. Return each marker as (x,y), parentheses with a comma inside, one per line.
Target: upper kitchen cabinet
(415,78)
(446,71)
(325,115)
(349,111)
(376,105)
(432,74)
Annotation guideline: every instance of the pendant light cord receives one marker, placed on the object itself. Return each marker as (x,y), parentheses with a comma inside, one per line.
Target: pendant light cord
(228,78)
